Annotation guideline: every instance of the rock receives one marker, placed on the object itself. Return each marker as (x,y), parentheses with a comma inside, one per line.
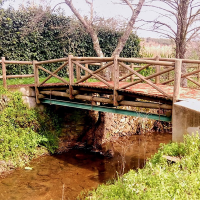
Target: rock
(37,186)
(10,165)
(28,168)
(109,153)
(2,162)
(44,172)
(123,120)
(81,156)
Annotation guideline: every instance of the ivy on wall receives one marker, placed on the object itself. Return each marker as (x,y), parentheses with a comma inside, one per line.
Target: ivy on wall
(25,37)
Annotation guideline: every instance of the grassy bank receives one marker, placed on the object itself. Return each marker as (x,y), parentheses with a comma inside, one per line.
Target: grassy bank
(22,81)
(160,179)
(24,133)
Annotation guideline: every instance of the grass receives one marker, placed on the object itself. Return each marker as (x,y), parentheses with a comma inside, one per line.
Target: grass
(22,81)
(159,179)
(25,133)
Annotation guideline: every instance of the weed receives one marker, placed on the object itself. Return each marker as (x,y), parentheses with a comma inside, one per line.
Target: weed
(159,179)
(23,130)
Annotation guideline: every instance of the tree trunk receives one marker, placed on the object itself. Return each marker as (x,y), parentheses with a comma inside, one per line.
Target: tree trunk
(88,26)
(181,35)
(129,28)
(105,120)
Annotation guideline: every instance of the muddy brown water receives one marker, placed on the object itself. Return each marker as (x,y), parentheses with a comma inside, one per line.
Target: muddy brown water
(65,176)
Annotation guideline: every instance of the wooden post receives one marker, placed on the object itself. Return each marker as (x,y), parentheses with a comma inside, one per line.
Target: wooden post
(86,73)
(132,76)
(4,72)
(177,80)
(36,77)
(78,73)
(157,81)
(71,76)
(116,81)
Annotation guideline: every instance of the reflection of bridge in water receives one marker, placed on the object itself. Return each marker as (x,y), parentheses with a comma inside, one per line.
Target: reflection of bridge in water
(146,83)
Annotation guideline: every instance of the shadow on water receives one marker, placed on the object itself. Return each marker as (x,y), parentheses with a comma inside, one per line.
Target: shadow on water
(65,175)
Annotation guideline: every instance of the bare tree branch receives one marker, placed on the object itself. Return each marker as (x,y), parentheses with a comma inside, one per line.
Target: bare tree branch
(129,27)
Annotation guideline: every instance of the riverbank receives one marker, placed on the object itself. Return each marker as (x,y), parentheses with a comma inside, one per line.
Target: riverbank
(160,178)
(66,175)
(24,133)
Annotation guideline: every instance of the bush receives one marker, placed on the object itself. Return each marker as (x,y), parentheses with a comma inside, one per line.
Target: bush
(23,130)
(160,179)
(52,36)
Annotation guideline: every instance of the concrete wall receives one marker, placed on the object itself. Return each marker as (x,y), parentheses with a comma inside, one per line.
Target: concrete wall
(185,119)
(28,96)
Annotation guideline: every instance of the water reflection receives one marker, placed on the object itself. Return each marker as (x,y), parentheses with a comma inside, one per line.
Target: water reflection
(64,176)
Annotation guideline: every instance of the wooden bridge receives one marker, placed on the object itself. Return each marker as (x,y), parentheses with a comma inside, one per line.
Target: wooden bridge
(106,84)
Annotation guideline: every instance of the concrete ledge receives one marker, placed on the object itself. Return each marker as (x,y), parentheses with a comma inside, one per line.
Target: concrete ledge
(28,96)
(31,103)
(185,119)
(25,90)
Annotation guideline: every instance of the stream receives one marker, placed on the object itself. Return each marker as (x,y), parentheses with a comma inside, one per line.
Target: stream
(64,176)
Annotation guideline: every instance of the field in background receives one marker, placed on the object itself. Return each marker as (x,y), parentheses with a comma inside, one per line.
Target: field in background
(151,47)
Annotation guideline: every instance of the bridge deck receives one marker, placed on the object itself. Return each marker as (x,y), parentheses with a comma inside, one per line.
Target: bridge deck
(147,90)
(140,90)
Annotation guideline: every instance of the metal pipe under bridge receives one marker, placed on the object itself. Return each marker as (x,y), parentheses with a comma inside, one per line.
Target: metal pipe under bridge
(153,83)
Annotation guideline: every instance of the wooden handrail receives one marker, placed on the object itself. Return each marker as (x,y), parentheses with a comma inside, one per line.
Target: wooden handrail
(182,76)
(94,59)
(177,80)
(18,62)
(141,68)
(174,59)
(114,63)
(52,61)
(18,76)
(52,74)
(136,60)
(147,81)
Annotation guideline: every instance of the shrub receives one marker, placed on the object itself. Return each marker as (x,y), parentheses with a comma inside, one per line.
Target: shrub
(23,130)
(160,179)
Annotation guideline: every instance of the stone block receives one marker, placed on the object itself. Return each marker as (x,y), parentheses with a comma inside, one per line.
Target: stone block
(25,90)
(31,103)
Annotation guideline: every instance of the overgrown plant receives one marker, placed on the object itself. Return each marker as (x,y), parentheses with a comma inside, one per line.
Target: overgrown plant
(25,132)
(160,178)
(53,36)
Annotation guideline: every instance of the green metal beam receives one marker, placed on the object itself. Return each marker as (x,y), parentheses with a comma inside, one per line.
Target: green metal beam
(106,109)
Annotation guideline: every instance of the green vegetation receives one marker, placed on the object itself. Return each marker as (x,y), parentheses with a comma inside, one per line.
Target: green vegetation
(21,81)
(160,179)
(25,133)
(34,34)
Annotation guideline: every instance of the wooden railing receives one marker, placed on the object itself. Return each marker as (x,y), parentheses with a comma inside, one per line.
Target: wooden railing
(4,76)
(132,66)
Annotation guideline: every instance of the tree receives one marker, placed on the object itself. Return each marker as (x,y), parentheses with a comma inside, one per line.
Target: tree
(180,21)
(106,119)
(90,28)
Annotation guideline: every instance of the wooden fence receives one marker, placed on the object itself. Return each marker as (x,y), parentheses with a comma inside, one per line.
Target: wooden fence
(112,66)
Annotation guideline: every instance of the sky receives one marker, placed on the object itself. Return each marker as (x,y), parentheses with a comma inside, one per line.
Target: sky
(103,8)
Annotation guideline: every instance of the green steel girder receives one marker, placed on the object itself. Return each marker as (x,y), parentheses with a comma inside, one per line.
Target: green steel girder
(106,109)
